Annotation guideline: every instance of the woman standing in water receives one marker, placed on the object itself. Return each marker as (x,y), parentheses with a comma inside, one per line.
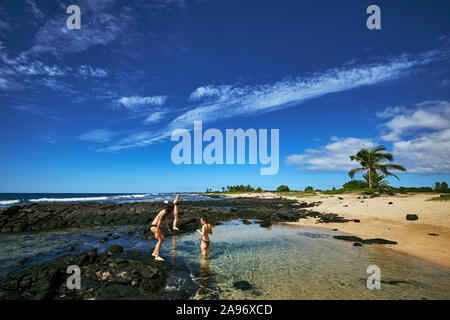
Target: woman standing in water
(205,232)
(156,226)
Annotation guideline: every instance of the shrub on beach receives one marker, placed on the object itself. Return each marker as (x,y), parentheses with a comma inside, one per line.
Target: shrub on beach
(355,184)
(283,188)
(309,189)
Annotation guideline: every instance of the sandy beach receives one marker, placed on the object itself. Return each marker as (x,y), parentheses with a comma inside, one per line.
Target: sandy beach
(379,219)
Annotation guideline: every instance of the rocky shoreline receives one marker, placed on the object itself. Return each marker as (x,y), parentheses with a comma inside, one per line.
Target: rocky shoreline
(133,274)
(53,216)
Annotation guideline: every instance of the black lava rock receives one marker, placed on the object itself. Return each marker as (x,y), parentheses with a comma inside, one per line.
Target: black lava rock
(242,285)
(103,240)
(412,217)
(265,223)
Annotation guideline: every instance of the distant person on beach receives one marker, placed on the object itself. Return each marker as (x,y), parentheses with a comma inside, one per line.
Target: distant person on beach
(156,226)
(205,232)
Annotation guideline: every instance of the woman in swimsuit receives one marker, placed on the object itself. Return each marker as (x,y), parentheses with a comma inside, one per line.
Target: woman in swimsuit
(156,227)
(205,232)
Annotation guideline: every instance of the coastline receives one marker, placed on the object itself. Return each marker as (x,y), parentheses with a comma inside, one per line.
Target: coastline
(379,219)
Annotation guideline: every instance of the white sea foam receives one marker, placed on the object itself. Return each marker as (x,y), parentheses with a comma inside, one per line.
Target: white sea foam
(6,202)
(68,199)
(131,196)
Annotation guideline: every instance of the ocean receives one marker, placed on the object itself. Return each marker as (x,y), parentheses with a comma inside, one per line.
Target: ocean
(11,199)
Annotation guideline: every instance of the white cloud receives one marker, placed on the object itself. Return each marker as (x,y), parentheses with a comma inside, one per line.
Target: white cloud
(421,137)
(154,117)
(429,153)
(88,71)
(136,101)
(390,112)
(97,135)
(333,156)
(429,115)
(426,151)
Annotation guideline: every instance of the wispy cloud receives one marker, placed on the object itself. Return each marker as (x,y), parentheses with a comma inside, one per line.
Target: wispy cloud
(154,117)
(87,71)
(212,103)
(40,111)
(333,156)
(98,135)
(137,101)
(49,137)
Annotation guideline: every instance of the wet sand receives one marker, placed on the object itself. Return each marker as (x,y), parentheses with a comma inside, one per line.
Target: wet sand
(379,219)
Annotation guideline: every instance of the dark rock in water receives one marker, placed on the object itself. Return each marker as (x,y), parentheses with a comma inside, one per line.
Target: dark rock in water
(131,231)
(335,229)
(394,282)
(345,205)
(366,241)
(364,197)
(357,244)
(390,203)
(340,198)
(412,217)
(349,238)
(103,240)
(21,263)
(115,237)
(356,220)
(108,234)
(246,222)
(71,248)
(115,249)
(433,234)
(379,241)
(358,198)
(265,223)
(242,285)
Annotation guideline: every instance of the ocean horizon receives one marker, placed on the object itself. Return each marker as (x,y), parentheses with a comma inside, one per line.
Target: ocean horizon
(11,199)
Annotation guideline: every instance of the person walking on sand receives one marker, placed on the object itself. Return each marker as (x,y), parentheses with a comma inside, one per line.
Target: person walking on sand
(156,227)
(206,230)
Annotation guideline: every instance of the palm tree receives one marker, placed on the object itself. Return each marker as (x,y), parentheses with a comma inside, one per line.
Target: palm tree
(372,160)
(377,181)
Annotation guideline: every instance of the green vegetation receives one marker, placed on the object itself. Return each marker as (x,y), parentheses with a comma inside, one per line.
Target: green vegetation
(309,189)
(445,197)
(283,188)
(441,187)
(354,185)
(371,160)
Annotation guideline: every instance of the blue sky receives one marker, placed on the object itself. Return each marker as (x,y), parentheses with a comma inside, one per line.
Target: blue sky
(91,110)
